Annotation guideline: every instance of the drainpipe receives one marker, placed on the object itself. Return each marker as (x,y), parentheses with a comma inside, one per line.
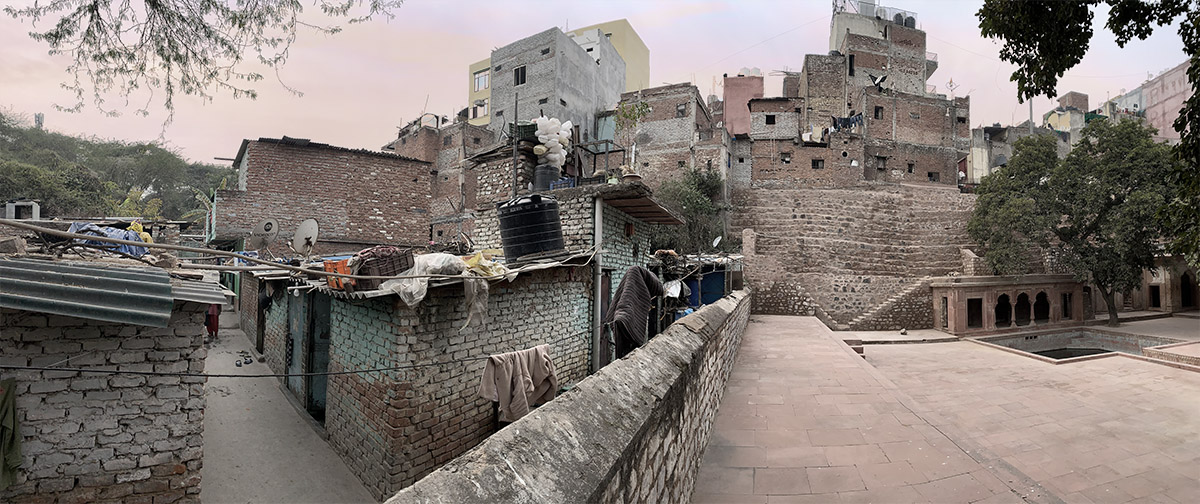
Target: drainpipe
(597,308)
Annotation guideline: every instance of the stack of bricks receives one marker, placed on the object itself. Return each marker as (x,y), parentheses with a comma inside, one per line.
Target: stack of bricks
(97,437)
(633,432)
(393,428)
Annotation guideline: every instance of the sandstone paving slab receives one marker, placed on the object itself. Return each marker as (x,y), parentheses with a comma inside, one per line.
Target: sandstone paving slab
(823,423)
(1107,430)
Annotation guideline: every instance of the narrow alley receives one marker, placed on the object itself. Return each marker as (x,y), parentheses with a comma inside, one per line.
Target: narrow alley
(258,447)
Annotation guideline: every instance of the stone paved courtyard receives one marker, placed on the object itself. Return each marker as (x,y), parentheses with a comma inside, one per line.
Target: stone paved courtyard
(806,420)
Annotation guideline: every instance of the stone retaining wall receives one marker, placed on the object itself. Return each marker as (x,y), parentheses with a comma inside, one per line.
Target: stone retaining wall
(633,432)
(95,437)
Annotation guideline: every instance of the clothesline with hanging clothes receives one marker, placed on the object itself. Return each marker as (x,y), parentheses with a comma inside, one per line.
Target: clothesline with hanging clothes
(845,123)
(519,380)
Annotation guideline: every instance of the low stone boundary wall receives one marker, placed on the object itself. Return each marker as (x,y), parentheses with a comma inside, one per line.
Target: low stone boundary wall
(633,432)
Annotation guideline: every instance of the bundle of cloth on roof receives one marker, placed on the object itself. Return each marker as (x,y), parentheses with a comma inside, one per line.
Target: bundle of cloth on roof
(131,234)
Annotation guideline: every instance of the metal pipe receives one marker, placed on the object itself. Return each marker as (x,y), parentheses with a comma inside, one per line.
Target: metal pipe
(597,273)
(516,116)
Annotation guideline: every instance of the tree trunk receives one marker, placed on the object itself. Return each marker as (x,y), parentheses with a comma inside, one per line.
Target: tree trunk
(1110,300)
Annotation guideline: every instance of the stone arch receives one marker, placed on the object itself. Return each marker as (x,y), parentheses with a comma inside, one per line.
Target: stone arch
(1041,308)
(1021,310)
(1187,290)
(1003,311)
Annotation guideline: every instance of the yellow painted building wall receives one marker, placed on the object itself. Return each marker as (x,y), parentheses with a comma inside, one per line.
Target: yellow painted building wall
(631,48)
(482,118)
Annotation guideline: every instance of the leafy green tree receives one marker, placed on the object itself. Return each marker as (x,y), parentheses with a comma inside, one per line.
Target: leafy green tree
(72,191)
(1095,208)
(194,47)
(1045,39)
(695,197)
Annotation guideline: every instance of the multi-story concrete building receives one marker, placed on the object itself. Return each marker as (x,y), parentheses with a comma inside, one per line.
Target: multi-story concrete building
(554,76)
(619,34)
(992,147)
(738,91)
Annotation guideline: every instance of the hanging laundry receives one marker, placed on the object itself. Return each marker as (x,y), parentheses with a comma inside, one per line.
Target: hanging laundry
(630,309)
(518,380)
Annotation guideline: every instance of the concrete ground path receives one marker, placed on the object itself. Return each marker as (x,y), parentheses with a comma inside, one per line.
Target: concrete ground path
(258,448)
(806,420)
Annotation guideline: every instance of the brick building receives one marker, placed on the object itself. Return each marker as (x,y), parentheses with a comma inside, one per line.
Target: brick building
(850,180)
(452,191)
(676,135)
(358,197)
(89,437)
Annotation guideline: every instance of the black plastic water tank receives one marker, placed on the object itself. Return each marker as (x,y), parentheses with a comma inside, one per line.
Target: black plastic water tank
(529,225)
(543,175)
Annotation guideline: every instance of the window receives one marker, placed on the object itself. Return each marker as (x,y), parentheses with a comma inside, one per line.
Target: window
(543,101)
(440,232)
(683,164)
(880,163)
(945,312)
(962,120)
(879,112)
(785,157)
(590,49)
(1066,306)
(499,113)
(475,141)
(497,68)
(741,160)
(910,167)
(681,110)
(545,51)
(480,109)
(852,65)
(708,164)
(608,35)
(914,115)
(481,79)
(519,75)
(562,102)
(770,118)
(446,141)
(934,176)
(818,164)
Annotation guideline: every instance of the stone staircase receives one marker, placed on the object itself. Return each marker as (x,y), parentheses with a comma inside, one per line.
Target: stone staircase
(911,308)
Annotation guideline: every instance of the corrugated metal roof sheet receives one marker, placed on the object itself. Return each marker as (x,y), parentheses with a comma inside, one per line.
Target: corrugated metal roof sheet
(97,291)
(197,291)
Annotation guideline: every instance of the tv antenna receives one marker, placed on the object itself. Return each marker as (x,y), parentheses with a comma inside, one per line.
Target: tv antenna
(306,238)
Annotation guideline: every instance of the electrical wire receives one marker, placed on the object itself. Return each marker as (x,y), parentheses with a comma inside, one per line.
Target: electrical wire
(229,375)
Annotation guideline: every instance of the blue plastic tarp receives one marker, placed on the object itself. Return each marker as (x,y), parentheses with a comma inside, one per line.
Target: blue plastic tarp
(109,232)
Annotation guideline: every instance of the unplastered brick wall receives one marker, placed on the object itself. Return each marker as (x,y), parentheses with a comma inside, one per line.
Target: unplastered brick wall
(275,331)
(810,165)
(355,196)
(849,249)
(393,428)
(633,432)
(248,305)
(668,134)
(95,437)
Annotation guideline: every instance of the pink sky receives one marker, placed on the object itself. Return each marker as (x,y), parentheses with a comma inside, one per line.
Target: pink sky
(358,86)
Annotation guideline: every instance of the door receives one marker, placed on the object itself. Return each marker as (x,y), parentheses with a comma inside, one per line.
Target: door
(318,356)
(607,345)
(297,331)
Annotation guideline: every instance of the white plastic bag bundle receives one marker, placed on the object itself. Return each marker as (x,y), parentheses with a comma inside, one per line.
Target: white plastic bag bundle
(555,139)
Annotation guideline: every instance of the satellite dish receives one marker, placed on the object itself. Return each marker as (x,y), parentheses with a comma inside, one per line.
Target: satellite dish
(306,237)
(716,241)
(262,235)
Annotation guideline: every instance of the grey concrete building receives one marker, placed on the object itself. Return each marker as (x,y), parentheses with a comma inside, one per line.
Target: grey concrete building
(553,75)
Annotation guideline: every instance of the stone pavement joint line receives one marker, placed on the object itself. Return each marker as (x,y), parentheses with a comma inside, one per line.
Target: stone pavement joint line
(804,419)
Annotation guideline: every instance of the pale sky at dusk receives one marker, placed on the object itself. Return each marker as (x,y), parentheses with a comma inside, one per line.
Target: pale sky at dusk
(361,84)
